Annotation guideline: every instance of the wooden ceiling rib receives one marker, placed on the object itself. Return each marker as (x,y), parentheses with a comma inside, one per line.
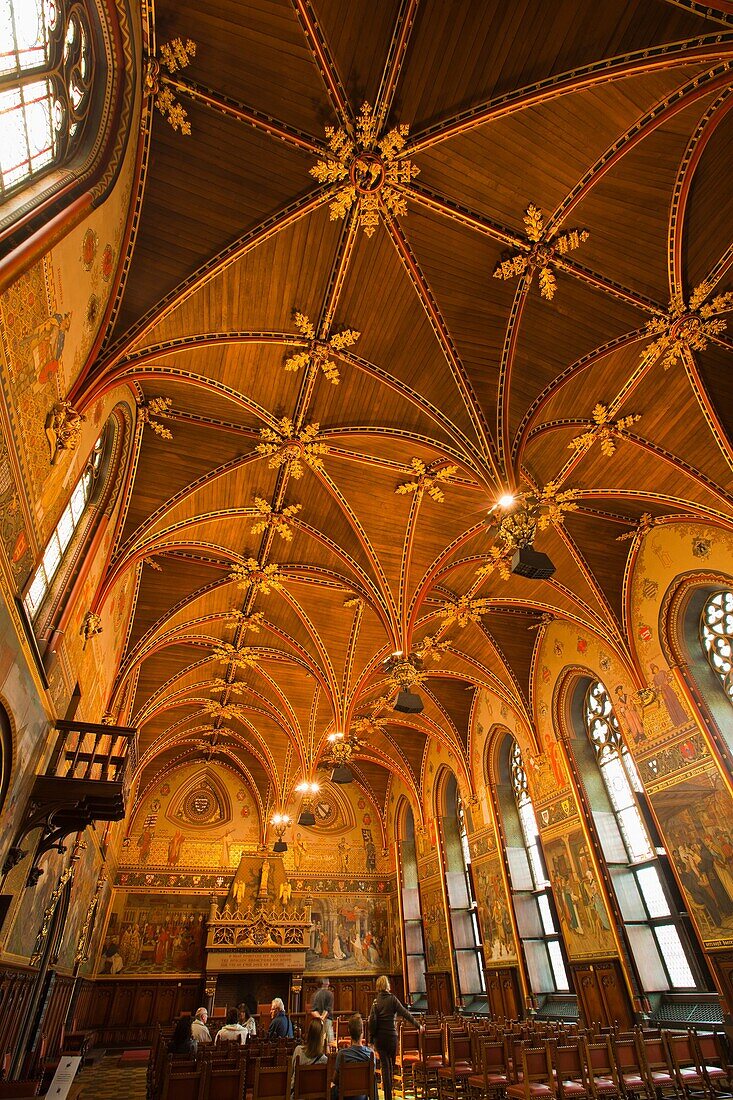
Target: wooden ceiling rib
(613,119)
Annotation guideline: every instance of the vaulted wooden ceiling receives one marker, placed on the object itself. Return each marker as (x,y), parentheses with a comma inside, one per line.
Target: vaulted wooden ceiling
(612,120)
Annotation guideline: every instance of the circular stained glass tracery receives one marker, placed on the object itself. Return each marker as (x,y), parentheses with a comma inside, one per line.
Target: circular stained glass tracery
(716,636)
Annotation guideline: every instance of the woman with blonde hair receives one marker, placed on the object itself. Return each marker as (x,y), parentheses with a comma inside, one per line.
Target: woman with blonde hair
(383,1030)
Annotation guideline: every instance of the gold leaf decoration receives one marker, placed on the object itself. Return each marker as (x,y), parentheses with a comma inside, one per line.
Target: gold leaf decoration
(687,326)
(246,620)
(540,253)
(517,525)
(291,447)
(239,656)
(156,407)
(174,55)
(646,522)
(225,711)
(432,648)
(464,610)
(320,352)
(370,165)
(427,482)
(281,522)
(604,429)
(262,578)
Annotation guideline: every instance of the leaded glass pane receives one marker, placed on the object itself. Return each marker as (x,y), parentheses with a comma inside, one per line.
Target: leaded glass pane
(558,966)
(651,888)
(674,956)
(716,635)
(23,36)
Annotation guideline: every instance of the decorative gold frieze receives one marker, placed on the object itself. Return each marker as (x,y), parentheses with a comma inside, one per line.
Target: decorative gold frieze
(370,168)
(603,429)
(464,610)
(540,253)
(280,522)
(290,447)
(63,429)
(687,326)
(320,352)
(262,578)
(429,483)
(256,927)
(152,407)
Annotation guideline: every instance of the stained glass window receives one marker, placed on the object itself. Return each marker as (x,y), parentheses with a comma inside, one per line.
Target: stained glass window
(550,942)
(621,780)
(716,635)
(46,69)
(58,543)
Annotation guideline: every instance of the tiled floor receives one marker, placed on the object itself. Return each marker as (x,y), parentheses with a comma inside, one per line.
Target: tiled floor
(108,1080)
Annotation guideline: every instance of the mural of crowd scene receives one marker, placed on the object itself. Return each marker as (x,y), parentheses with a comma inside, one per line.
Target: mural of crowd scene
(154,934)
(349,935)
(435,930)
(696,817)
(496,924)
(581,906)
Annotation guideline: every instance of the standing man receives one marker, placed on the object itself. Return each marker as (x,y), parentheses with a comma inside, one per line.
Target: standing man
(199,1030)
(322,1007)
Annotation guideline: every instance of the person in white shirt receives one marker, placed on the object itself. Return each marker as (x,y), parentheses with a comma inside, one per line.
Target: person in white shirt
(247,1020)
(199,1030)
(232,1032)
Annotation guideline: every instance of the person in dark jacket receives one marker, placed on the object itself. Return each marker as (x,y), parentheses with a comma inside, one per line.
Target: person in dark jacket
(357,1052)
(183,1041)
(280,1025)
(383,1030)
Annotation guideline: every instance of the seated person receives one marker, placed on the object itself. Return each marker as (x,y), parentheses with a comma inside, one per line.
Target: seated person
(183,1041)
(199,1030)
(357,1052)
(246,1019)
(232,1032)
(281,1026)
(312,1051)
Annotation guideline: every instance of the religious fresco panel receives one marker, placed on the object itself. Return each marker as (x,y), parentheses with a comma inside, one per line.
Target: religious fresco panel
(584,918)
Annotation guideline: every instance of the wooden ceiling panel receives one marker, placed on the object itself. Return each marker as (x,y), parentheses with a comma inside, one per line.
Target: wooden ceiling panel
(709,213)
(465,52)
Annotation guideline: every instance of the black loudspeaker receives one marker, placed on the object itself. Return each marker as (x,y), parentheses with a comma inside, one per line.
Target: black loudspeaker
(528,562)
(341,775)
(408,702)
(307,817)
(279,846)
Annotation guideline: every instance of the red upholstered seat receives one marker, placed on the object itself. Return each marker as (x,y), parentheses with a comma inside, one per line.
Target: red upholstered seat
(535,1088)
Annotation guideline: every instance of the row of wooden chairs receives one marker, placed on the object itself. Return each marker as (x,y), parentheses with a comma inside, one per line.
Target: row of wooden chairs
(458,1059)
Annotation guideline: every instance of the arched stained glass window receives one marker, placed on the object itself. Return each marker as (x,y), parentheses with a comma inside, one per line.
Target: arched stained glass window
(63,533)
(651,924)
(546,944)
(716,636)
(46,71)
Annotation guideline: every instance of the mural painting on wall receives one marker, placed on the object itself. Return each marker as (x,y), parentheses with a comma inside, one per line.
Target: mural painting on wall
(583,915)
(496,924)
(154,934)
(33,901)
(350,934)
(696,818)
(82,891)
(435,930)
(260,879)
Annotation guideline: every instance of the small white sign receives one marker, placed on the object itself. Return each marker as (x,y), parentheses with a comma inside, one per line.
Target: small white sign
(63,1077)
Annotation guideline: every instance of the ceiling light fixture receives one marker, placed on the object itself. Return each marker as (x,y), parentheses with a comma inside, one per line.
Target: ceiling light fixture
(308,790)
(280,823)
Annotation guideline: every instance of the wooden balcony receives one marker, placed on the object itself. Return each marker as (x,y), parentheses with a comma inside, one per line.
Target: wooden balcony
(87,779)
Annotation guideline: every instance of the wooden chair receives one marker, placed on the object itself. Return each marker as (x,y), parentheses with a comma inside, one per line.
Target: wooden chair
(658,1066)
(356,1079)
(570,1071)
(225,1081)
(311,1081)
(271,1082)
(686,1065)
(601,1070)
(493,1078)
(631,1070)
(453,1077)
(535,1077)
(431,1059)
(713,1058)
(183,1084)
(408,1053)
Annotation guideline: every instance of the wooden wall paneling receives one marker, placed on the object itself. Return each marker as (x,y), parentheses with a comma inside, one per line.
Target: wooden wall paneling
(128,1012)
(16,987)
(439,989)
(601,993)
(721,963)
(502,989)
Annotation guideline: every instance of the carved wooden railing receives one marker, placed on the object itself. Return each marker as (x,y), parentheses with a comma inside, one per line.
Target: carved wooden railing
(259,928)
(87,779)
